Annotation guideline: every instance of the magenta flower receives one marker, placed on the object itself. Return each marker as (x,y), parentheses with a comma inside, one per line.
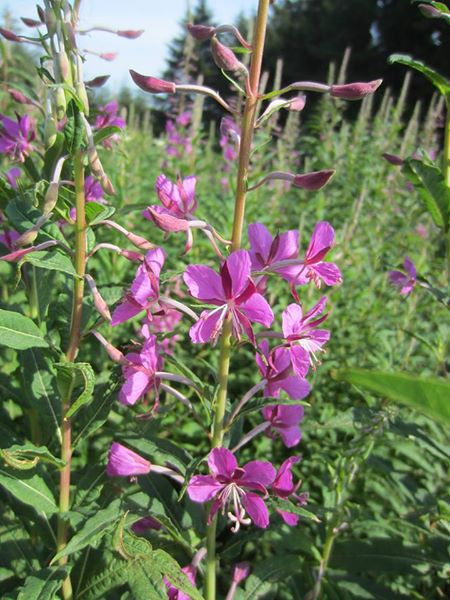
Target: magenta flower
(144,524)
(178,204)
(144,291)
(108,117)
(228,487)
(93,191)
(174,593)
(140,372)
(300,333)
(277,369)
(313,267)
(233,293)
(123,462)
(284,421)
(266,250)
(16,137)
(284,486)
(406,282)
(12,175)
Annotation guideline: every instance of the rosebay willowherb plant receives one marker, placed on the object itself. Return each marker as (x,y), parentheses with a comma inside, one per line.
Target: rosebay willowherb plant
(154,524)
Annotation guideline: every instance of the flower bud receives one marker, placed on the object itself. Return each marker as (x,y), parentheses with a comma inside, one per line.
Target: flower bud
(313,181)
(50,132)
(131,255)
(430,11)
(130,34)
(50,20)
(200,32)
(62,66)
(139,241)
(114,353)
(393,159)
(17,96)
(109,56)
(9,35)
(224,57)
(152,84)
(30,22)
(51,198)
(107,186)
(19,254)
(81,93)
(97,81)
(298,103)
(31,234)
(41,13)
(99,302)
(60,103)
(354,91)
(240,572)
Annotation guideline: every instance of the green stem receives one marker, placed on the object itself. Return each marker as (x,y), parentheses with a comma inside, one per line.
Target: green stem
(446,171)
(247,129)
(74,341)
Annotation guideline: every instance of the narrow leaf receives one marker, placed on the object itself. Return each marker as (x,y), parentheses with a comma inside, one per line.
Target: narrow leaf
(19,332)
(29,488)
(43,584)
(439,81)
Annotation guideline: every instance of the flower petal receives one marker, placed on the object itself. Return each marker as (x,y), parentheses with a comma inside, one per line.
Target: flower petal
(123,462)
(222,462)
(328,272)
(256,308)
(256,509)
(321,241)
(203,488)
(238,265)
(208,326)
(258,473)
(204,283)
(135,386)
(295,387)
(291,436)
(126,310)
(300,360)
(292,318)
(260,243)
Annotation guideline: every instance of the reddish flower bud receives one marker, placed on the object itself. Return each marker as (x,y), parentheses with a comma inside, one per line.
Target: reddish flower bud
(41,13)
(152,84)
(298,103)
(130,34)
(9,35)
(109,56)
(17,96)
(99,302)
(97,81)
(131,255)
(393,159)
(313,181)
(30,22)
(429,11)
(240,572)
(355,91)
(139,241)
(201,32)
(224,57)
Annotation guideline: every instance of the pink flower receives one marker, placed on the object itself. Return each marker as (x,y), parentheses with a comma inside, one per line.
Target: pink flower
(233,293)
(313,267)
(144,291)
(266,250)
(16,137)
(12,175)
(142,525)
(284,420)
(123,462)
(140,372)
(108,117)
(178,204)
(300,333)
(284,486)
(277,369)
(93,191)
(232,487)
(406,282)
(174,593)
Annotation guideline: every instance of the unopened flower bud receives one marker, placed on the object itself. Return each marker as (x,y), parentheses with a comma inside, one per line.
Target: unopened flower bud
(30,22)
(60,103)
(131,255)
(139,241)
(393,159)
(201,32)
(355,91)
(50,132)
(51,198)
(82,94)
(298,103)
(109,56)
(314,180)
(97,81)
(62,66)
(224,57)
(31,234)
(9,35)
(41,13)
(17,96)
(99,302)
(240,572)
(114,353)
(152,84)
(130,34)
(50,20)
(107,186)
(430,11)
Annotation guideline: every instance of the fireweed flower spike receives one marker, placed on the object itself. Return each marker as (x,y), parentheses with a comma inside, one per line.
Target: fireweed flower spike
(233,292)
(300,333)
(405,282)
(16,137)
(230,488)
(284,487)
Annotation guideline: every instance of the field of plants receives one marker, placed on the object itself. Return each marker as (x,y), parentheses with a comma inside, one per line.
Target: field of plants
(223,345)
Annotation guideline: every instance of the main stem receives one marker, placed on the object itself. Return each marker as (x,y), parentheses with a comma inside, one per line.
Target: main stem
(446,169)
(247,128)
(74,341)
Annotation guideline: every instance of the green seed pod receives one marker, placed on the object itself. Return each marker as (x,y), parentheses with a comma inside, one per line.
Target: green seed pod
(60,103)
(50,20)
(81,93)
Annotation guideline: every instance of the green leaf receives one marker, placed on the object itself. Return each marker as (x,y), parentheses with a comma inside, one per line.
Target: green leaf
(93,530)
(105,578)
(268,572)
(439,81)
(72,375)
(26,456)
(428,395)
(159,450)
(288,506)
(43,584)
(29,488)
(74,128)
(430,183)
(52,260)
(105,132)
(169,567)
(98,212)
(19,332)
(256,404)
(23,215)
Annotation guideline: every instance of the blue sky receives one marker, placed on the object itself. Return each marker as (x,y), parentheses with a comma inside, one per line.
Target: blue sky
(159,18)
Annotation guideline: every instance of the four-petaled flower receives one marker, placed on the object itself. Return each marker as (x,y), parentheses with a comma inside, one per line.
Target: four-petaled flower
(284,420)
(406,282)
(277,369)
(144,291)
(139,372)
(313,266)
(233,292)
(266,251)
(16,137)
(233,488)
(284,486)
(300,333)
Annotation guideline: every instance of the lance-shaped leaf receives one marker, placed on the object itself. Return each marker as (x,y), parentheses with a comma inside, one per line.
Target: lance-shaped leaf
(438,80)
(75,375)
(290,507)
(169,567)
(26,456)
(30,488)
(43,584)
(428,395)
(52,260)
(19,332)
(430,183)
